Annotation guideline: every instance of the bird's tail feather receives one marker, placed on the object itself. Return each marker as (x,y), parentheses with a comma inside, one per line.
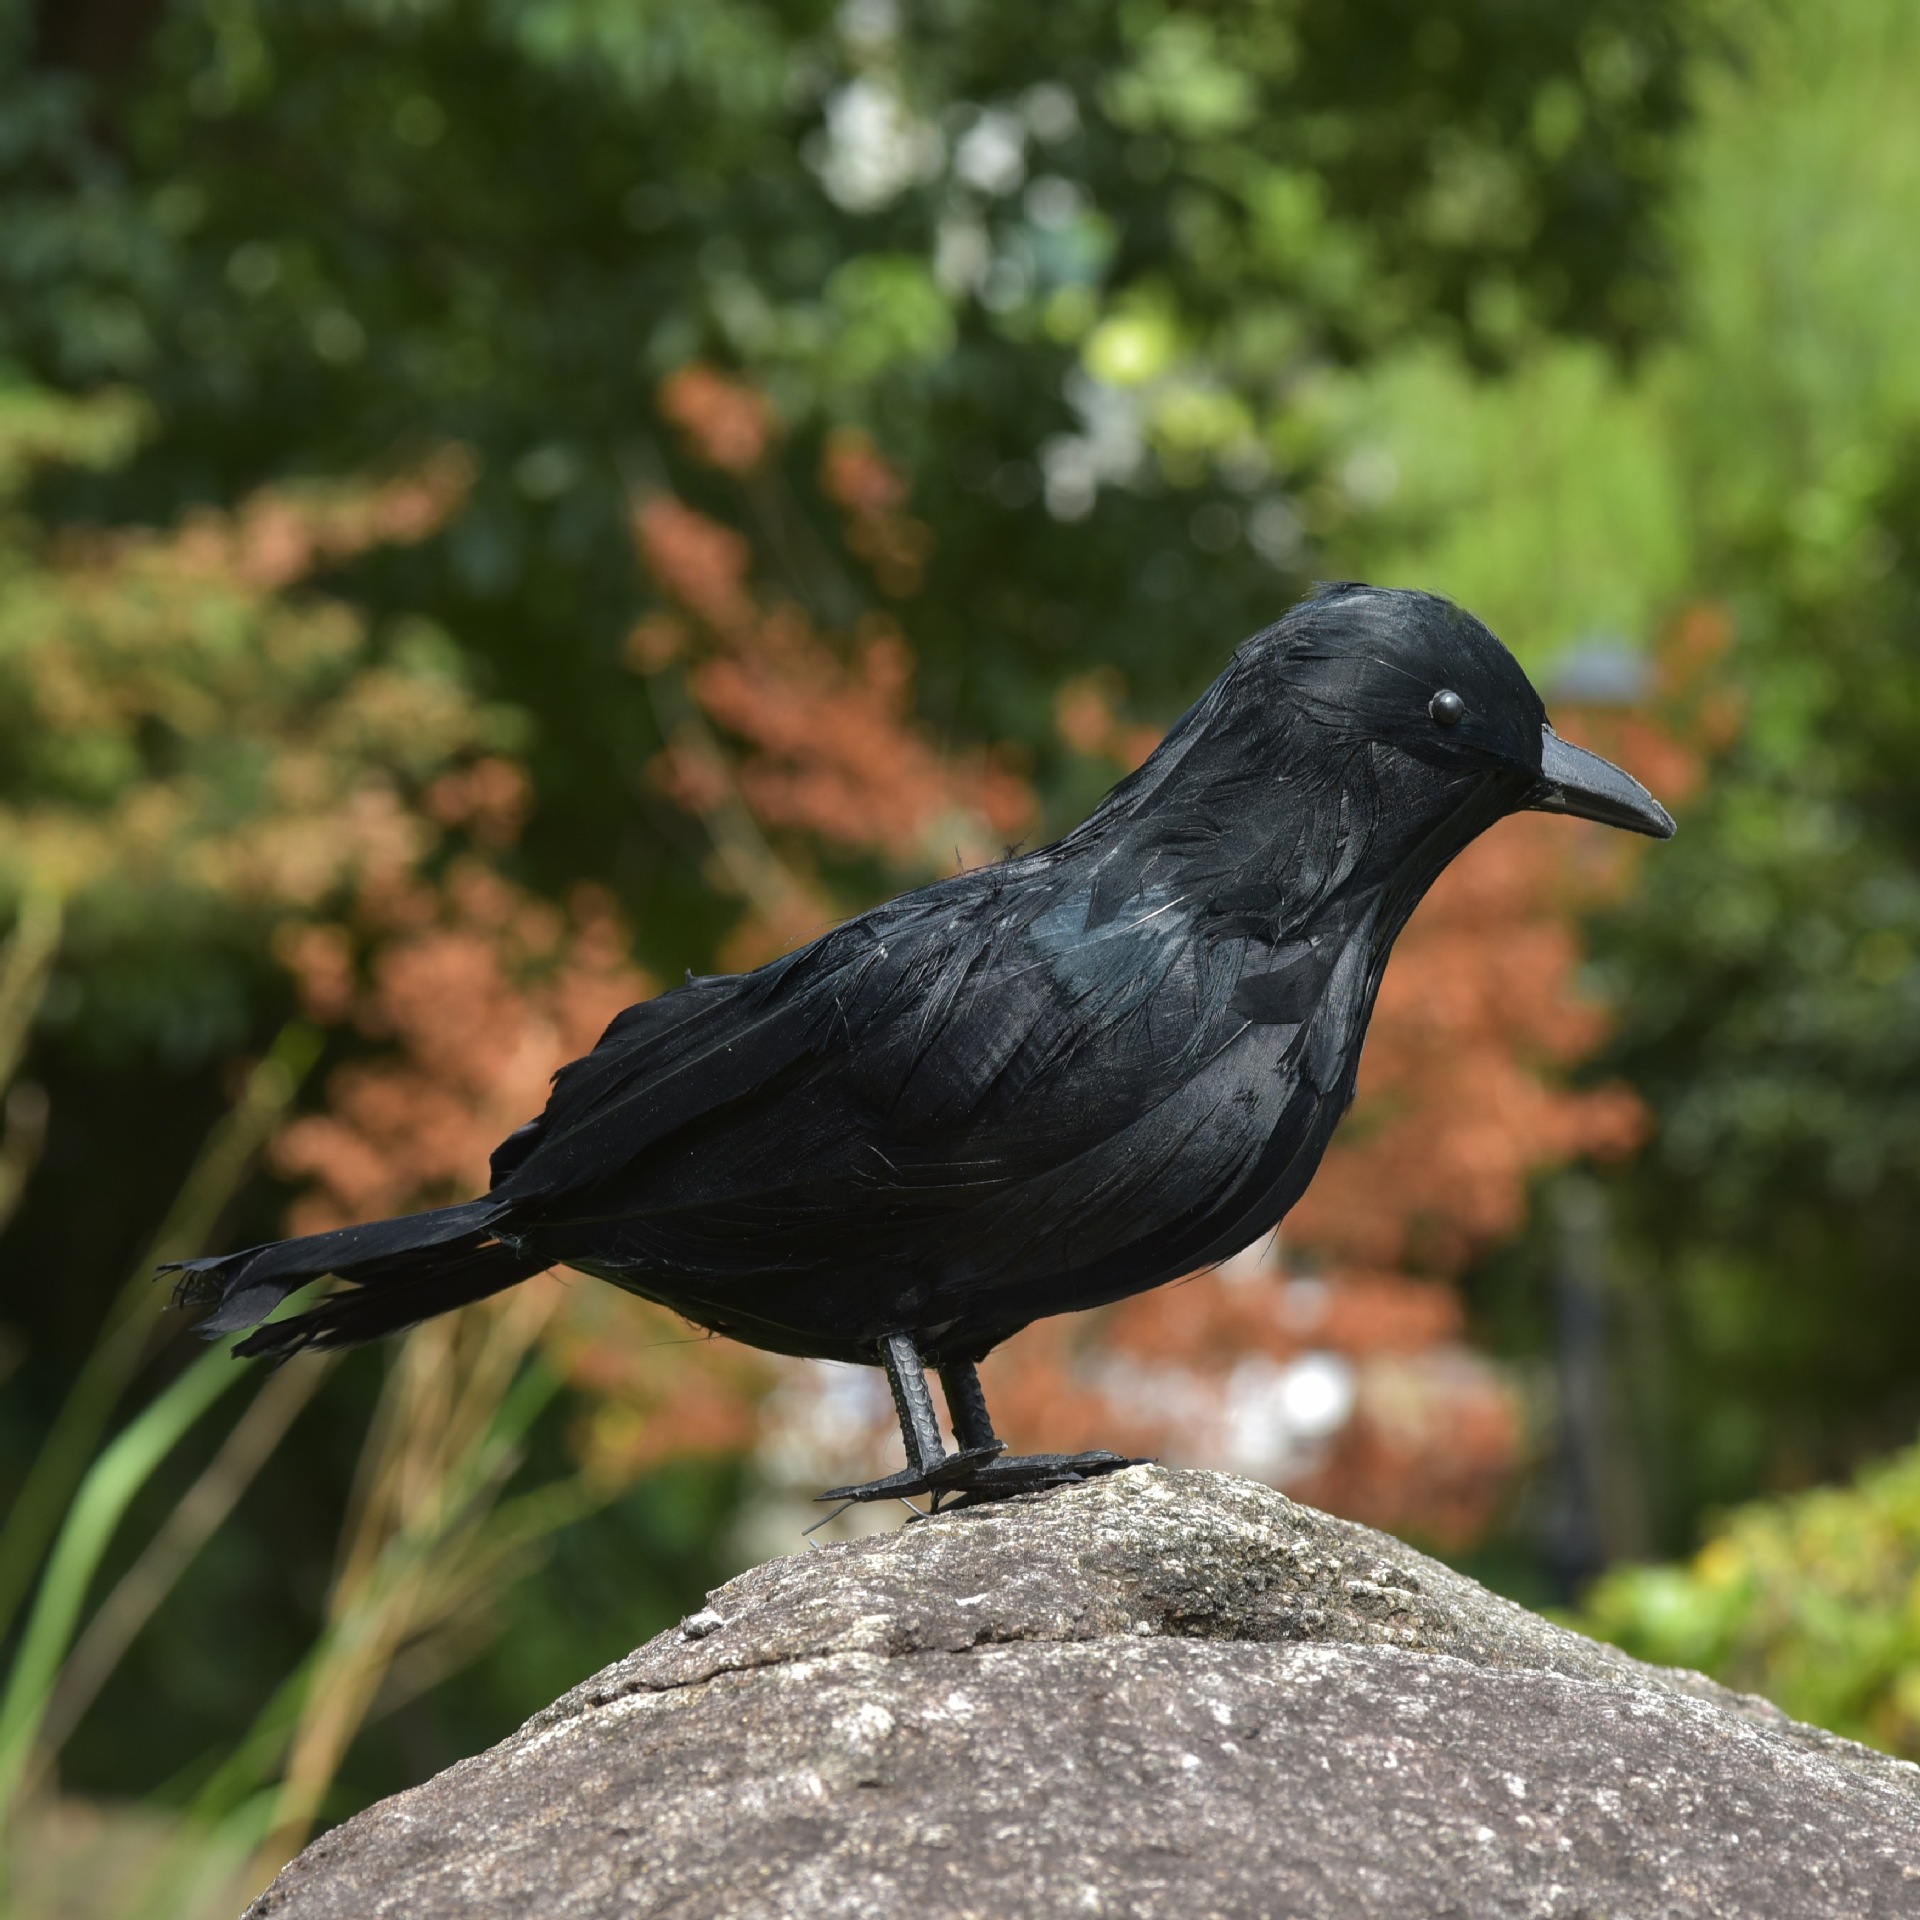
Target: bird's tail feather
(397,1273)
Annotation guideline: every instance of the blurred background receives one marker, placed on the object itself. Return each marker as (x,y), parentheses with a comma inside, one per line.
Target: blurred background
(504,501)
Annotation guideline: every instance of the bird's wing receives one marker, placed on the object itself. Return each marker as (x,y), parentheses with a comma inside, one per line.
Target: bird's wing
(984,1023)
(662,1065)
(925,1061)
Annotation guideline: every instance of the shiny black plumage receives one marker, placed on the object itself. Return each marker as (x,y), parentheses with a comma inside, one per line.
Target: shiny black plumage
(1033,1087)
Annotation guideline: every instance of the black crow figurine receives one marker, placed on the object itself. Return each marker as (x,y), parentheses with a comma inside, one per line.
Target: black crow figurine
(1032,1088)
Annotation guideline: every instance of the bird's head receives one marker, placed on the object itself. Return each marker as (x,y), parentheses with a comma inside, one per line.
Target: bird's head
(1415,672)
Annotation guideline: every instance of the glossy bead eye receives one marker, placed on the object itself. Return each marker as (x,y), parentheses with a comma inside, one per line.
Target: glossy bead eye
(1446,708)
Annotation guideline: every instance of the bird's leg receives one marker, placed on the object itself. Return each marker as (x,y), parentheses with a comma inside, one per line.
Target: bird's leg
(972,1424)
(912,1404)
(977,1473)
(930,1467)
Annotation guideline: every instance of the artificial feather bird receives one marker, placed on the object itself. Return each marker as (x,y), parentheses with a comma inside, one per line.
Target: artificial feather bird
(1029,1089)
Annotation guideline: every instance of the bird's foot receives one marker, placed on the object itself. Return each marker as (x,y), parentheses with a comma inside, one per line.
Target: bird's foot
(936,1479)
(1004,1477)
(981,1474)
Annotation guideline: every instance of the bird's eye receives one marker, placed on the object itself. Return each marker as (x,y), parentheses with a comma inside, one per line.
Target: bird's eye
(1446,708)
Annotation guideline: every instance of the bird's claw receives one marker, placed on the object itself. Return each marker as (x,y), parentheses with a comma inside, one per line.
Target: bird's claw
(981,1474)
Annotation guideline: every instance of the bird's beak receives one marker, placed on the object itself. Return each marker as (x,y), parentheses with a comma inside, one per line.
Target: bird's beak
(1581,783)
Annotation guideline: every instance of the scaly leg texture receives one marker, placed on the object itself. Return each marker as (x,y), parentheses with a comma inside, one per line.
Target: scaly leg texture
(977,1472)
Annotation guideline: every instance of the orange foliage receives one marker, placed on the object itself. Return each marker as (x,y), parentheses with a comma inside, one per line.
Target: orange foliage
(656,643)
(727,423)
(283,534)
(838,755)
(479,992)
(855,476)
(701,563)
(489,798)
(693,775)
(812,740)
(1086,717)
(483,992)
(165,660)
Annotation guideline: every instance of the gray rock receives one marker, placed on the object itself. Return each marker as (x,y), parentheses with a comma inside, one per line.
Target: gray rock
(1161,1693)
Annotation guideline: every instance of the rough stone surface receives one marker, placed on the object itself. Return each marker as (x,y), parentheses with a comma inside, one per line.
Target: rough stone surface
(1160,1693)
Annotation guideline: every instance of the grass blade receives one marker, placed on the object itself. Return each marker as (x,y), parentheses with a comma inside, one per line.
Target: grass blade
(224,1163)
(111,1484)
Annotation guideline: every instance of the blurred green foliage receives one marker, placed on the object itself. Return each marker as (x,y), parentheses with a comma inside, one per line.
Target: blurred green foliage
(1812,1600)
(1764,458)
(186,753)
(1045,256)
